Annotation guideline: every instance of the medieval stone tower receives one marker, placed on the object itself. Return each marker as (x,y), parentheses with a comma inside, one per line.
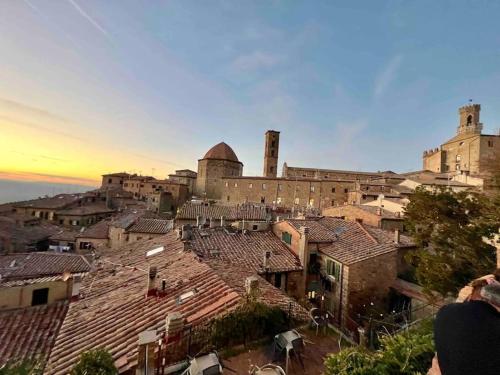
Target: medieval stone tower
(469,119)
(271,153)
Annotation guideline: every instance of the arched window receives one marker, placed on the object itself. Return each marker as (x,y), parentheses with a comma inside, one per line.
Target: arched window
(469,120)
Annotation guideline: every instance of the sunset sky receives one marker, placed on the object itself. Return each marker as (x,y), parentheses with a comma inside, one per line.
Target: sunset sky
(90,87)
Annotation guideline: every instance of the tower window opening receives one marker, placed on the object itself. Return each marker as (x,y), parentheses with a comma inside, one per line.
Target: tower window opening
(469,120)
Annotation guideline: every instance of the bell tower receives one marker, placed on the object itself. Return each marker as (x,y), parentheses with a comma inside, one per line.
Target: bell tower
(271,153)
(469,119)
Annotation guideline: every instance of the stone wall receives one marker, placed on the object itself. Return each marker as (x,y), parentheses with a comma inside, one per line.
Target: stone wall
(209,182)
(286,192)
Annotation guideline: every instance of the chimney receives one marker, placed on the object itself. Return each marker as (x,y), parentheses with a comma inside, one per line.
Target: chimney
(397,236)
(198,220)
(252,287)
(212,223)
(186,232)
(152,281)
(243,225)
(146,353)
(379,211)
(222,221)
(267,255)
(174,324)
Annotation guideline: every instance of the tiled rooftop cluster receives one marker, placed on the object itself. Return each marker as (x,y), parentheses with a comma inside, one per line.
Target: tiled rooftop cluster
(114,308)
(244,249)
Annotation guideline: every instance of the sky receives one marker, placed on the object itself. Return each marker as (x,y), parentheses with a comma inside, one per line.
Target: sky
(91,87)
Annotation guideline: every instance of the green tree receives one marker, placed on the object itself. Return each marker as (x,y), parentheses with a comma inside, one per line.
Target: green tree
(22,367)
(448,229)
(95,362)
(407,353)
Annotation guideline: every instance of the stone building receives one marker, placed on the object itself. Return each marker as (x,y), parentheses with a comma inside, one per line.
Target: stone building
(271,151)
(330,174)
(185,177)
(143,187)
(375,216)
(349,264)
(114,180)
(297,193)
(468,151)
(220,161)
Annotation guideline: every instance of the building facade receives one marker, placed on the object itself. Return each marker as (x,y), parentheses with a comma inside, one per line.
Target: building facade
(468,152)
(220,161)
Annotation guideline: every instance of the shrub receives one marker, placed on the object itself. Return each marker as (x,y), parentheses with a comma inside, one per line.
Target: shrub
(95,362)
(407,353)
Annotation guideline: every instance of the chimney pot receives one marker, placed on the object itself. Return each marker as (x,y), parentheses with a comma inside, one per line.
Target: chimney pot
(397,236)
(222,221)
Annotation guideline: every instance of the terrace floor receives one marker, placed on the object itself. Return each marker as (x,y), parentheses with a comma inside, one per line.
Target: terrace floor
(316,348)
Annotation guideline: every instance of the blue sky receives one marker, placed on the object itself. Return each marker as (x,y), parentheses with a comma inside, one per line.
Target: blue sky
(364,85)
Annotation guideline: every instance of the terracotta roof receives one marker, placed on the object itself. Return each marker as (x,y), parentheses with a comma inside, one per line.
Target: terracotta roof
(32,265)
(189,211)
(99,230)
(118,174)
(156,226)
(417,292)
(385,214)
(317,231)
(350,242)
(114,309)
(64,235)
(27,235)
(221,151)
(246,250)
(86,210)
(57,202)
(30,333)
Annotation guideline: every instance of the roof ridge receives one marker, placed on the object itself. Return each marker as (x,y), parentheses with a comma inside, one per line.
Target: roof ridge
(367,233)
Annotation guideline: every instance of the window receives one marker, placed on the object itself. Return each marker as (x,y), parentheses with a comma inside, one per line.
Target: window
(333,190)
(125,184)
(278,200)
(333,202)
(333,269)
(345,190)
(296,201)
(311,202)
(235,184)
(457,167)
(490,143)
(262,199)
(255,227)
(312,189)
(286,237)
(273,143)
(110,180)
(226,184)
(40,297)
(458,158)
(153,186)
(264,186)
(139,238)
(228,198)
(250,185)
(277,280)
(469,120)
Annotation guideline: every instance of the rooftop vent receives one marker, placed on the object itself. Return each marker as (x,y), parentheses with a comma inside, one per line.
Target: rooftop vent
(214,252)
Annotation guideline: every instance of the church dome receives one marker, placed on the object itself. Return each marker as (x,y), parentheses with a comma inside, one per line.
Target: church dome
(221,151)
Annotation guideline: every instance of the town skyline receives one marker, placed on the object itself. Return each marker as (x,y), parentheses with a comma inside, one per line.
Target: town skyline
(345,95)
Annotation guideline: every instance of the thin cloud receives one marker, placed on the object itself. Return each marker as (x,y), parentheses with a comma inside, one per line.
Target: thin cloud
(255,61)
(44,177)
(387,76)
(90,19)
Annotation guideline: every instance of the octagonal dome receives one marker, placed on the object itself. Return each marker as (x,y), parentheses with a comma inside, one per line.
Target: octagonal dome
(221,151)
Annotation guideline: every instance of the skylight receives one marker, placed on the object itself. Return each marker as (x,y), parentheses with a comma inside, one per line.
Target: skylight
(158,250)
(186,296)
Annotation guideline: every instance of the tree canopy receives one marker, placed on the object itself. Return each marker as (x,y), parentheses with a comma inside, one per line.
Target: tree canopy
(95,362)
